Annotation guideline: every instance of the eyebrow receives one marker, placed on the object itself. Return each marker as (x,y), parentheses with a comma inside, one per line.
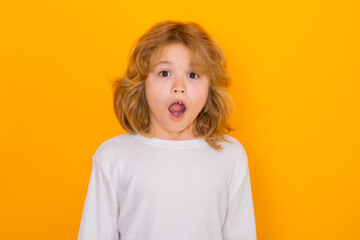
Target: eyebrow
(162,62)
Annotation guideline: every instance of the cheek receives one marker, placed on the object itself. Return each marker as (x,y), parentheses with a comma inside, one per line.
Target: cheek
(201,94)
(154,94)
(198,100)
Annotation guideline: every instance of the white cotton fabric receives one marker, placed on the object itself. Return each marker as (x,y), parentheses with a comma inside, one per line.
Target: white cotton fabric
(155,189)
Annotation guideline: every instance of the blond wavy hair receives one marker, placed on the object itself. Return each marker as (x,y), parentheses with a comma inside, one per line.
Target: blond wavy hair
(207,58)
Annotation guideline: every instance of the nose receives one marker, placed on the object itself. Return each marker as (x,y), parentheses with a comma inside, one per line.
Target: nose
(179,90)
(178,86)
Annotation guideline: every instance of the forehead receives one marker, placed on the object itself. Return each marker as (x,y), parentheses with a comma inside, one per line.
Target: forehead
(171,51)
(167,53)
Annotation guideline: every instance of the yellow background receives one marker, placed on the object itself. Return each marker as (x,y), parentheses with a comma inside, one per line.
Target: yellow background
(295,70)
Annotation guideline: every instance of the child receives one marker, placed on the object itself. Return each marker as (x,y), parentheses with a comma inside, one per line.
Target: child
(167,178)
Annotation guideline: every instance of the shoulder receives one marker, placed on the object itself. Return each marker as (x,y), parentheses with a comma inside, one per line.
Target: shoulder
(235,146)
(235,150)
(108,151)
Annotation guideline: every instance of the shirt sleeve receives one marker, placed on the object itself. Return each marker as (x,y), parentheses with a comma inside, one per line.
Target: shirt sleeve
(240,219)
(99,216)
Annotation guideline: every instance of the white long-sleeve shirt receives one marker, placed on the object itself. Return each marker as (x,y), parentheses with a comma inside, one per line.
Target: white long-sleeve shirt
(155,189)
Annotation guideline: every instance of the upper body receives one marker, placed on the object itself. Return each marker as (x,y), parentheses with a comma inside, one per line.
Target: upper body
(155,189)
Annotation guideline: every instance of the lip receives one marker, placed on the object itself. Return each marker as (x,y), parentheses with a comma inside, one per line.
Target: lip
(182,116)
(178,100)
(177,118)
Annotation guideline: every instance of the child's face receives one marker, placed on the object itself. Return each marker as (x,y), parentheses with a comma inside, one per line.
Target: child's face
(170,81)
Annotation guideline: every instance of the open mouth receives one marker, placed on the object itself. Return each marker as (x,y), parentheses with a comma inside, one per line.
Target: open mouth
(177,108)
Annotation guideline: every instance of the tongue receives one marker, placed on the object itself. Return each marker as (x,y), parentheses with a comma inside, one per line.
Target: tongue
(177,108)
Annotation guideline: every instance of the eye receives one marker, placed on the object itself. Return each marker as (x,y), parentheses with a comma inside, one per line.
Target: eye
(166,75)
(193,75)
